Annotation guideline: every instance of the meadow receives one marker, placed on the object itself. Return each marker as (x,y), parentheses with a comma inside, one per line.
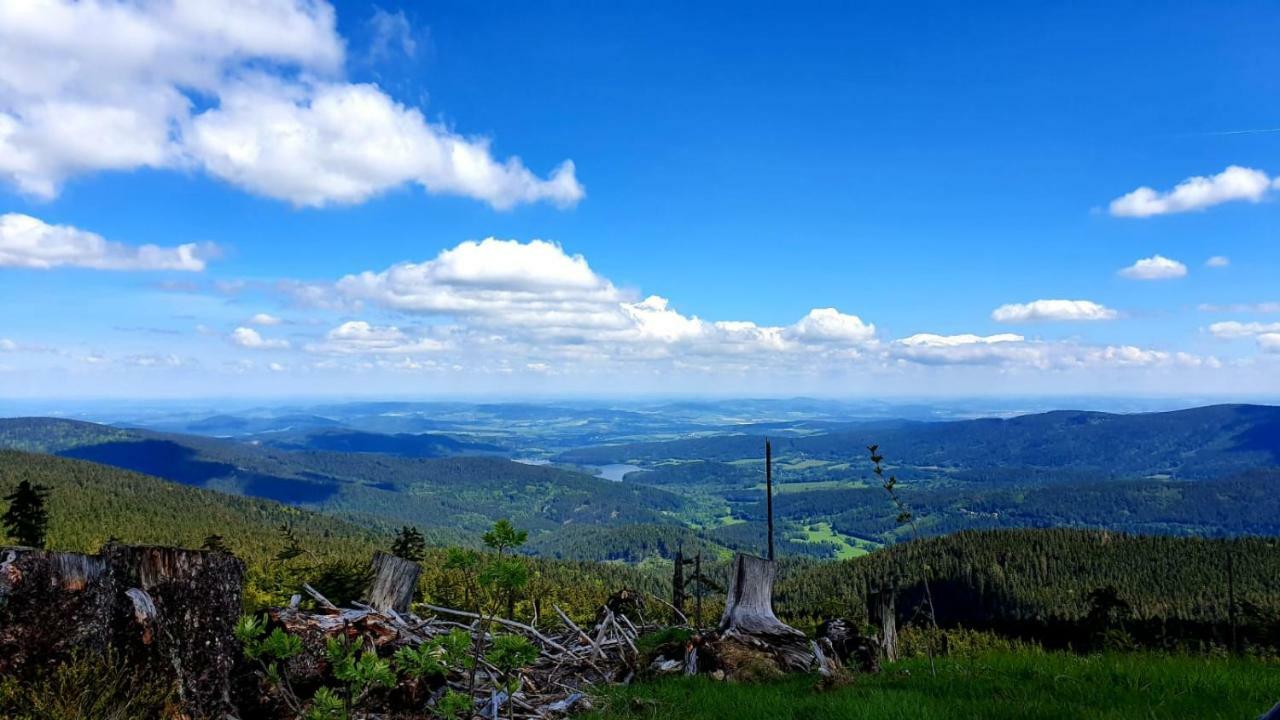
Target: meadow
(1022,685)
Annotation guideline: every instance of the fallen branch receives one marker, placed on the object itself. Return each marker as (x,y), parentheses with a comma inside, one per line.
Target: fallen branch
(509,623)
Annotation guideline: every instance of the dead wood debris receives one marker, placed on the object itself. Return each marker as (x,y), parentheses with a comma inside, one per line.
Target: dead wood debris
(571,660)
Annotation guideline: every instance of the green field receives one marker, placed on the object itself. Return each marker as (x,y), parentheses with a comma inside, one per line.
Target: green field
(847,547)
(996,686)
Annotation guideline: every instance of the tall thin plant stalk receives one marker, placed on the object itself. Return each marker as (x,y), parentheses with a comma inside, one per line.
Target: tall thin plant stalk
(905,516)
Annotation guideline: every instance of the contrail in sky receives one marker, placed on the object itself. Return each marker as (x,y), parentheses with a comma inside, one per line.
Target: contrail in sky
(1259,131)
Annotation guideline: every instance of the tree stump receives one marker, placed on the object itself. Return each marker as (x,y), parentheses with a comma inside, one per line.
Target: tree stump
(851,648)
(882,613)
(170,612)
(749,621)
(394,580)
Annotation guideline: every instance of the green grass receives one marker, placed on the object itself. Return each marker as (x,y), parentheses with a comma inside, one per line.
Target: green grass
(806,464)
(847,547)
(994,686)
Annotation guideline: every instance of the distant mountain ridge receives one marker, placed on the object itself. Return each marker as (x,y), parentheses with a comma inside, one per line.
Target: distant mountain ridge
(1211,441)
(463,493)
(414,445)
(1212,471)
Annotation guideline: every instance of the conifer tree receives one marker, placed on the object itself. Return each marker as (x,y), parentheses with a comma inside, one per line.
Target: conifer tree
(26,519)
(409,544)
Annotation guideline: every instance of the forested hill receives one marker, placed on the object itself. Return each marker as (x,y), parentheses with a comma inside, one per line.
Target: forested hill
(460,493)
(91,503)
(420,445)
(1042,583)
(1211,441)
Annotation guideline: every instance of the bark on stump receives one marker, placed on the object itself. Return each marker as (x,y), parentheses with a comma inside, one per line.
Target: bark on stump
(169,612)
(883,614)
(394,580)
(750,624)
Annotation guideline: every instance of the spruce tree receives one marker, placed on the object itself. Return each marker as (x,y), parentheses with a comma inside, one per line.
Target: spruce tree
(409,544)
(26,520)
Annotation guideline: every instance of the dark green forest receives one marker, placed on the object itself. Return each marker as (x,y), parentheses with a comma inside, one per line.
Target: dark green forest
(1166,591)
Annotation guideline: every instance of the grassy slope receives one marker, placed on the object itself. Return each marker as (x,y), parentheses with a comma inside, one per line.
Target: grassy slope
(1025,686)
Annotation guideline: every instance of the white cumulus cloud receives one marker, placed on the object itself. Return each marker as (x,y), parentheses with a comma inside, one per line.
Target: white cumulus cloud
(1269,342)
(246,337)
(251,91)
(29,242)
(1196,193)
(1156,267)
(1052,310)
(537,292)
(359,337)
(265,320)
(1233,329)
(343,143)
(831,325)
(1218,261)
(965,349)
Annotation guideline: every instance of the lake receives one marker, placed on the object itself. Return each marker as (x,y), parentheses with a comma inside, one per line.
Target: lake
(616,471)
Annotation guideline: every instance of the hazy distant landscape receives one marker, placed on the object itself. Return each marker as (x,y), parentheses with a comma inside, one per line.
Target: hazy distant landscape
(698,468)
(638,360)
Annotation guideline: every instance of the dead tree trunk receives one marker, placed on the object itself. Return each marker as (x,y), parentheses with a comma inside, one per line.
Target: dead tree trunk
(883,615)
(748,616)
(169,612)
(394,580)
(677,584)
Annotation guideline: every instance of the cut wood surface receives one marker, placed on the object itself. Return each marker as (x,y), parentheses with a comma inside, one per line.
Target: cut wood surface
(394,580)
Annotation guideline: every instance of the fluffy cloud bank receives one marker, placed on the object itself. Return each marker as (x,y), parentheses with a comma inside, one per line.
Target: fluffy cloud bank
(1266,335)
(99,85)
(1196,193)
(1156,267)
(1052,310)
(29,242)
(931,349)
(512,306)
(1010,351)
(1232,329)
(536,292)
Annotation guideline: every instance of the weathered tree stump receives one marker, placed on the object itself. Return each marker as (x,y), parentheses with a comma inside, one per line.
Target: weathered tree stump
(882,613)
(394,580)
(749,621)
(50,604)
(170,612)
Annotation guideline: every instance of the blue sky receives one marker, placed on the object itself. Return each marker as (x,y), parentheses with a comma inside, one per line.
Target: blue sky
(820,198)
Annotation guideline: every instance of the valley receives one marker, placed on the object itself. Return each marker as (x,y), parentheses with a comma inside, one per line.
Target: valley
(693,473)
